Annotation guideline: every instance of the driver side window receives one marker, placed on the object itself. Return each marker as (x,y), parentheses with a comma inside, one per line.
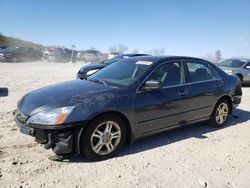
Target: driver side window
(169,74)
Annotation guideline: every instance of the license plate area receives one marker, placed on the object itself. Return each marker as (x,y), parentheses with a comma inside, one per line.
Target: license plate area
(28,131)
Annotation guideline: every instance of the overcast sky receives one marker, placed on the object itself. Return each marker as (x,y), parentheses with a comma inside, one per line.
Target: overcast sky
(182,27)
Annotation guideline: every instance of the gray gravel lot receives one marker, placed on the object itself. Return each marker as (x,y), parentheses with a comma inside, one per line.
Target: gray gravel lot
(196,156)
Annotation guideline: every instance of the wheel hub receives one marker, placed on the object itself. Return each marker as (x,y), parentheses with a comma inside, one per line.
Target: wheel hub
(106,138)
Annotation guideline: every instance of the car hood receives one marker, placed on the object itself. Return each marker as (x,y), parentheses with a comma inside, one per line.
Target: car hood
(59,95)
(92,67)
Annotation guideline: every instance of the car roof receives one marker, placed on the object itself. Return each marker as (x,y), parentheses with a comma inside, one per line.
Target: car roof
(164,58)
(241,59)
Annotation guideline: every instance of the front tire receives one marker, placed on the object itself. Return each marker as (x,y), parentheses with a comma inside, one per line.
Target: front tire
(220,113)
(104,137)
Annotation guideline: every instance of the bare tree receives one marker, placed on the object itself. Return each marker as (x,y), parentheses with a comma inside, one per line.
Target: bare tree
(92,48)
(120,48)
(209,57)
(113,49)
(218,56)
(135,51)
(156,51)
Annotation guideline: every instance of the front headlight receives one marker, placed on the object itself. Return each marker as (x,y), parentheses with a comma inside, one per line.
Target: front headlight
(229,71)
(51,117)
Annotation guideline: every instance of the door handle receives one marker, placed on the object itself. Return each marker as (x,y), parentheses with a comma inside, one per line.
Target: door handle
(183,93)
(218,84)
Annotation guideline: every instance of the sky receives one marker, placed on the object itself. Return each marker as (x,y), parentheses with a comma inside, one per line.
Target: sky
(181,27)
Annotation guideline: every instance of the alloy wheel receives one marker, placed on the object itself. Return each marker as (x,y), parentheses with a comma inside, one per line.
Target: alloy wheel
(221,113)
(105,138)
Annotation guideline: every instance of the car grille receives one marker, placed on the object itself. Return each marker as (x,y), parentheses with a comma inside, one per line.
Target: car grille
(22,118)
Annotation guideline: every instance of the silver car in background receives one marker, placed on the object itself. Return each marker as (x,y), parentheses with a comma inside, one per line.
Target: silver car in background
(92,56)
(238,67)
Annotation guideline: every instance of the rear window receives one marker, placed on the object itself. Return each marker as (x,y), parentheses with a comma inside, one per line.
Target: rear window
(201,71)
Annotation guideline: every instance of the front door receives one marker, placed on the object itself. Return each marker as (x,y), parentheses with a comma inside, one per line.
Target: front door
(164,107)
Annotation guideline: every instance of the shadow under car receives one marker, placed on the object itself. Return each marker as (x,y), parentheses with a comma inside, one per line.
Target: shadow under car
(197,130)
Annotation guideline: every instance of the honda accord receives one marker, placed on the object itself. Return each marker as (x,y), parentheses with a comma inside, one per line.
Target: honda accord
(127,100)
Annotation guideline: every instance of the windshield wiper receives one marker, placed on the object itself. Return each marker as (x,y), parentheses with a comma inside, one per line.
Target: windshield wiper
(98,81)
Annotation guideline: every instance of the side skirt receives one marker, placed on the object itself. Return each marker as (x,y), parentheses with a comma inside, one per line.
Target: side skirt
(171,128)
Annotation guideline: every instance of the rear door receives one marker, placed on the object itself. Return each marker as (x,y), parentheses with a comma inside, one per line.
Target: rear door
(205,88)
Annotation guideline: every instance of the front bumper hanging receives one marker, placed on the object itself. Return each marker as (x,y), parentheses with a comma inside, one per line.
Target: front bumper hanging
(60,140)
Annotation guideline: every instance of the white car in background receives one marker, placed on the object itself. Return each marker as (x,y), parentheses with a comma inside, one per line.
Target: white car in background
(238,67)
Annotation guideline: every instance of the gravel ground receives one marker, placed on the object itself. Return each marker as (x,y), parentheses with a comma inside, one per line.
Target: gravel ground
(196,156)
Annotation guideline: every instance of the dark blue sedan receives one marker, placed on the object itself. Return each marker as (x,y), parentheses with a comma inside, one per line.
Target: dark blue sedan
(127,100)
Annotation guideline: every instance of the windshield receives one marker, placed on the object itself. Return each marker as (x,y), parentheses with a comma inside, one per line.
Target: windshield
(232,63)
(122,73)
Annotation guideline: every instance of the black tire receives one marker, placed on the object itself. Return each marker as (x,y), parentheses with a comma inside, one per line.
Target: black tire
(86,140)
(212,121)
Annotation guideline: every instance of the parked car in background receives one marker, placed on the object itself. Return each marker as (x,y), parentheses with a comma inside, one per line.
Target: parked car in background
(19,54)
(59,55)
(238,67)
(88,70)
(92,56)
(46,52)
(136,97)
(2,48)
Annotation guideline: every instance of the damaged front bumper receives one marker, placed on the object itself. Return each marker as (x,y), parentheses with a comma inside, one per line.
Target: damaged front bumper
(62,139)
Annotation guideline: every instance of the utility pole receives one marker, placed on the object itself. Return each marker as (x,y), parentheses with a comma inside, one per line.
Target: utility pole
(72,54)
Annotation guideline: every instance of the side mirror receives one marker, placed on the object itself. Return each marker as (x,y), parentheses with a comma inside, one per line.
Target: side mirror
(152,85)
(90,72)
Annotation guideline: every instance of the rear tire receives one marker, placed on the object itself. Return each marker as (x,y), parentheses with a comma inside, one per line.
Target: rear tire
(103,137)
(220,114)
